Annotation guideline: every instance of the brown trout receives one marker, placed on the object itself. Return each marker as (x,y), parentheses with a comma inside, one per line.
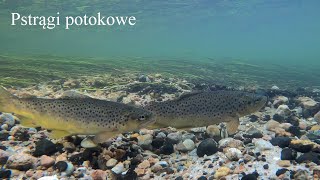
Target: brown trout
(75,116)
(206,108)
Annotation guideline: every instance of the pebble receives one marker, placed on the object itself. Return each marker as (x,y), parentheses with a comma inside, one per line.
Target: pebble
(111,162)
(5,174)
(88,143)
(316,117)
(307,102)
(5,127)
(207,147)
(44,147)
(271,125)
(262,145)
(309,157)
(222,172)
(3,157)
(69,146)
(284,163)
(283,110)
(302,145)
(188,136)
(233,154)
(161,135)
(280,141)
(186,145)
(174,137)
(280,100)
(21,161)
(275,88)
(301,174)
(144,164)
(7,118)
(98,174)
(54,177)
(46,161)
(288,154)
(213,130)
(145,141)
(167,148)
(230,142)
(118,169)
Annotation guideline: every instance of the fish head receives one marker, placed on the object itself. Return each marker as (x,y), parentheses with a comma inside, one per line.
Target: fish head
(140,119)
(251,103)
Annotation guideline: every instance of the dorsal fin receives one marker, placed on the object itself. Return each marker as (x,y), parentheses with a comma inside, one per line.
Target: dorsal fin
(186,95)
(73,94)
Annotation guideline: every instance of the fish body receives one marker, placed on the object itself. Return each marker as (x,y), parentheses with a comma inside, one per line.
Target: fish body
(206,108)
(72,116)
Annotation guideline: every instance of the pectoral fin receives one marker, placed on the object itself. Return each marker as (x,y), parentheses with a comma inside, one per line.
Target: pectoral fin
(104,136)
(57,134)
(232,125)
(27,121)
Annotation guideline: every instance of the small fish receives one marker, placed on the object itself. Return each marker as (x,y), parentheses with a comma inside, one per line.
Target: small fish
(206,108)
(74,116)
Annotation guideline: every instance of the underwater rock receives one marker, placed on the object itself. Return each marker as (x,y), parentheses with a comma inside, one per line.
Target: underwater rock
(301,174)
(111,163)
(271,125)
(280,100)
(230,142)
(309,157)
(303,146)
(284,163)
(98,174)
(233,154)
(3,157)
(46,161)
(317,117)
(174,138)
(283,111)
(207,147)
(275,87)
(118,169)
(88,143)
(222,172)
(307,102)
(21,161)
(145,141)
(69,147)
(144,78)
(7,118)
(262,145)
(65,168)
(186,145)
(44,147)
(288,154)
(5,174)
(213,130)
(167,148)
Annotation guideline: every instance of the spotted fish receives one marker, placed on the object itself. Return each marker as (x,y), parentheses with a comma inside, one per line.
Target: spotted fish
(73,116)
(206,108)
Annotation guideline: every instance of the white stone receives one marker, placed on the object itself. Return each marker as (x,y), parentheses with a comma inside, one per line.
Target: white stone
(262,145)
(189,144)
(88,143)
(118,169)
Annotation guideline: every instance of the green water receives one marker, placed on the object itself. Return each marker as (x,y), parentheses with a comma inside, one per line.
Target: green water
(256,42)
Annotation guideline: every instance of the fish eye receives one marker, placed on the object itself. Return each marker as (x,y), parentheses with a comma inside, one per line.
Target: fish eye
(142,117)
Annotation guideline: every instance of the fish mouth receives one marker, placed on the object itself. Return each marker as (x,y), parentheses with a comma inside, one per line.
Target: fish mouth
(145,124)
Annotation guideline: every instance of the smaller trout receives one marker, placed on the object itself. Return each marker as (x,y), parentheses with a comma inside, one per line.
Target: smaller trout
(74,116)
(206,108)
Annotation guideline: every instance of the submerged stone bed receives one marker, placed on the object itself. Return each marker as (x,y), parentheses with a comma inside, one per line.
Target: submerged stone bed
(282,141)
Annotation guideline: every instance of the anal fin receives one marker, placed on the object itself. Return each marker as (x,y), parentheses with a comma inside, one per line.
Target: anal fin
(57,134)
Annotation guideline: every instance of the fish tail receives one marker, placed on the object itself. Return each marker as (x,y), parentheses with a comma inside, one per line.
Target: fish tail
(5,98)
